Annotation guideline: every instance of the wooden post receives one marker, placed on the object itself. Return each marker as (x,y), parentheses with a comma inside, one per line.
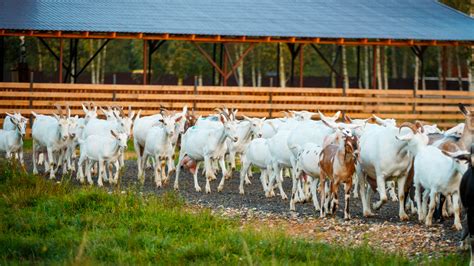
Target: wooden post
(301,64)
(61,51)
(145,62)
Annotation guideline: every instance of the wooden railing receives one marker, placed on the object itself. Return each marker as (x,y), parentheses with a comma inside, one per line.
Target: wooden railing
(433,106)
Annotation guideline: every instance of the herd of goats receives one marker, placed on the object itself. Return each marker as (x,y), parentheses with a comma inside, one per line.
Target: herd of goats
(319,155)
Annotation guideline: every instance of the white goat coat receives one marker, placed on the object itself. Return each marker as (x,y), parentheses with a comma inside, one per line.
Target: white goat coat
(436,171)
(308,132)
(100,148)
(10,141)
(158,143)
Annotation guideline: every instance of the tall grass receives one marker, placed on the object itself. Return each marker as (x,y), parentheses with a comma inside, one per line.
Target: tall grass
(48,223)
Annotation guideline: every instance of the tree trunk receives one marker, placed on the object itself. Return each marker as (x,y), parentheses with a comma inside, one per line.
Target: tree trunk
(417,74)
(366,67)
(259,69)
(99,63)
(93,71)
(449,71)
(282,68)
(440,68)
(253,70)
(104,56)
(345,76)
(385,68)
(240,69)
(333,76)
(470,70)
(458,68)
(393,62)
(379,68)
(40,56)
(405,65)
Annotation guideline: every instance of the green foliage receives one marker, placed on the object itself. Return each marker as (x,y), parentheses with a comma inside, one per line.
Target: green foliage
(47,223)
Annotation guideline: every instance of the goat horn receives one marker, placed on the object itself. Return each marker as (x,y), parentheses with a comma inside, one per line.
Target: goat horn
(408,125)
(121,111)
(60,111)
(68,110)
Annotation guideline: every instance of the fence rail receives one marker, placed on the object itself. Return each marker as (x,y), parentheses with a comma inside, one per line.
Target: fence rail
(433,106)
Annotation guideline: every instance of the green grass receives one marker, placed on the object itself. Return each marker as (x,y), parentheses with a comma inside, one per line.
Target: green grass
(43,222)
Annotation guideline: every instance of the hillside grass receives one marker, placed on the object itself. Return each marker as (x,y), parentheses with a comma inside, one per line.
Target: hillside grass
(43,222)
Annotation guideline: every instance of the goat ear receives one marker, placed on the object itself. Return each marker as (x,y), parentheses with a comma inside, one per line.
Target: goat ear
(131,114)
(222,118)
(57,117)
(179,118)
(10,115)
(329,124)
(336,115)
(378,120)
(347,119)
(247,118)
(406,137)
(84,108)
(263,119)
(458,155)
(463,109)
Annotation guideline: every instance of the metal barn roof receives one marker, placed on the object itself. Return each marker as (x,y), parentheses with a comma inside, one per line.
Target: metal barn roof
(372,19)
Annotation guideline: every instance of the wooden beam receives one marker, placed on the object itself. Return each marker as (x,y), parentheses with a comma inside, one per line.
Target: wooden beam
(236,39)
(209,59)
(237,63)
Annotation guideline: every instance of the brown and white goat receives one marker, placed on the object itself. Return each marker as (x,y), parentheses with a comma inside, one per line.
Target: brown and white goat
(450,144)
(337,164)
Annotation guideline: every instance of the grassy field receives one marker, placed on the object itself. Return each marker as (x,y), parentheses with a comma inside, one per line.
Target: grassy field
(44,222)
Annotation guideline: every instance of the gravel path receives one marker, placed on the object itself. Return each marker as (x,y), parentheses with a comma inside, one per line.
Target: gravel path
(254,208)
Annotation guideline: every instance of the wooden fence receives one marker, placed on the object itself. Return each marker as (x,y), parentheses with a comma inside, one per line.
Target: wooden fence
(433,106)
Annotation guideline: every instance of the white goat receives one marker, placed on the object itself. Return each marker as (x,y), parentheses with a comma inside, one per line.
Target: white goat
(435,172)
(11,140)
(383,157)
(246,130)
(206,142)
(50,134)
(258,154)
(159,145)
(307,168)
(104,150)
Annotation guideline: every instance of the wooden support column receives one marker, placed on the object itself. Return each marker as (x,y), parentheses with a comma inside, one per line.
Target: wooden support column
(61,53)
(145,62)
(301,64)
(374,68)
